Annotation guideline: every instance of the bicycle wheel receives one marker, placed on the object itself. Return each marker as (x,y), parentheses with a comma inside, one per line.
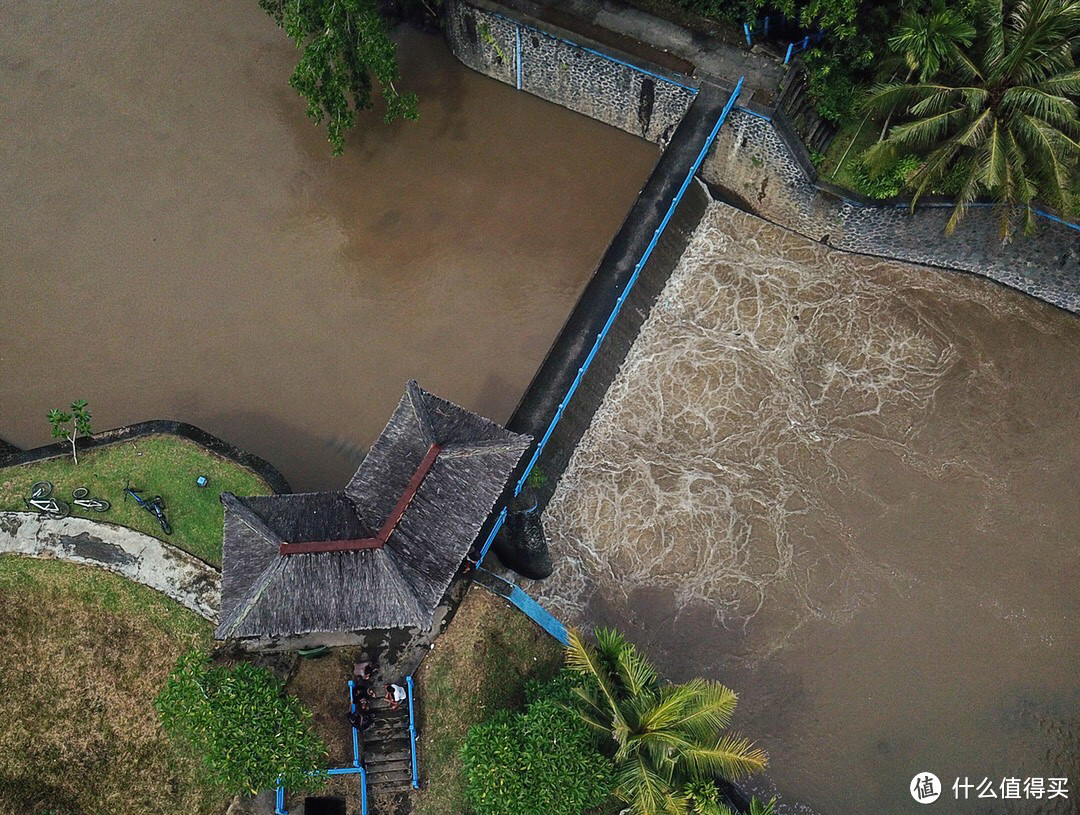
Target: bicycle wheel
(165,526)
(101,505)
(79,493)
(62,510)
(41,489)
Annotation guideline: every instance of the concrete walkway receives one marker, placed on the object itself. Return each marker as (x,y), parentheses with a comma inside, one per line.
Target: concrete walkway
(136,556)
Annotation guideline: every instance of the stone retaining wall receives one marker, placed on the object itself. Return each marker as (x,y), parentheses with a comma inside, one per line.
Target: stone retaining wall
(10,455)
(757,168)
(486,40)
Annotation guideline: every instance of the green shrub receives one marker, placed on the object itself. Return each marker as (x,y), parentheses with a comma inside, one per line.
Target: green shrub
(704,799)
(886,183)
(542,761)
(247,731)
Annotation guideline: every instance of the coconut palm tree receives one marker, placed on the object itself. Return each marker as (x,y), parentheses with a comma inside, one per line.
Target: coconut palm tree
(931,40)
(999,122)
(927,42)
(663,736)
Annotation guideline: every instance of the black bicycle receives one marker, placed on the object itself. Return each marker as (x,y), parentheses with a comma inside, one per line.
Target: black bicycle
(155,506)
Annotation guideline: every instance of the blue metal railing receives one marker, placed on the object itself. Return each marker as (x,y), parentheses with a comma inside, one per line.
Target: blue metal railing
(412,734)
(355,734)
(518,67)
(763,29)
(356,769)
(801,45)
(517,58)
(614,313)
(532,609)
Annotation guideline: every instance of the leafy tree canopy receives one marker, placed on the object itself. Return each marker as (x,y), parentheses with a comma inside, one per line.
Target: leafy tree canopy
(68,426)
(239,720)
(346,49)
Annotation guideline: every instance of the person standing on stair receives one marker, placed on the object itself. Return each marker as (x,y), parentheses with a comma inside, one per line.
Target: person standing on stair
(395,695)
(360,719)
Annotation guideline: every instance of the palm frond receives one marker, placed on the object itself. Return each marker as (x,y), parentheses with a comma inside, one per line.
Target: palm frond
(977,130)
(646,791)
(968,192)
(731,757)
(591,709)
(582,657)
(635,671)
(928,131)
(1067,82)
(1057,110)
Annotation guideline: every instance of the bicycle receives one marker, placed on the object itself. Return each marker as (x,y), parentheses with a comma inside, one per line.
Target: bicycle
(80,497)
(155,506)
(41,501)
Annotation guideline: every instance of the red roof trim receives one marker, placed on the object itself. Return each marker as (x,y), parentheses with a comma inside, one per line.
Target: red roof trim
(357,544)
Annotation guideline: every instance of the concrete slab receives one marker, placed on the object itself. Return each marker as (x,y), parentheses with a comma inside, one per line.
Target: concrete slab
(164,568)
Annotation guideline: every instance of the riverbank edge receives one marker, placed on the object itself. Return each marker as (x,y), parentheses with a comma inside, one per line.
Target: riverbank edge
(12,456)
(759,162)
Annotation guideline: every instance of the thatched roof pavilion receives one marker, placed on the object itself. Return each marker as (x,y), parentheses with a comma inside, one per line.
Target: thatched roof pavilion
(381,553)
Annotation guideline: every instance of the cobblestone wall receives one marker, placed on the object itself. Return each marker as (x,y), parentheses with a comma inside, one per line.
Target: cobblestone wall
(566,74)
(751,161)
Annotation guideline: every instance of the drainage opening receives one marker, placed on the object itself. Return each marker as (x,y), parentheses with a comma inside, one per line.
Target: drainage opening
(324,806)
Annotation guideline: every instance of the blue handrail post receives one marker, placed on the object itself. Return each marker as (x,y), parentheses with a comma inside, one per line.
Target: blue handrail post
(765,27)
(279,800)
(790,48)
(746,30)
(518,55)
(412,733)
(355,734)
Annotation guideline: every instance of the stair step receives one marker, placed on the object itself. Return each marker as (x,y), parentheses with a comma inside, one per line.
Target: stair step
(398,780)
(389,766)
(395,735)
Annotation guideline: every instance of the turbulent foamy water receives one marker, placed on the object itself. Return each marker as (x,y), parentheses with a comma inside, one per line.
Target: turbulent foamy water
(844,485)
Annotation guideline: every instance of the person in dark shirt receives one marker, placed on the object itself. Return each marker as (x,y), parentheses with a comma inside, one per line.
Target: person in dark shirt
(360,719)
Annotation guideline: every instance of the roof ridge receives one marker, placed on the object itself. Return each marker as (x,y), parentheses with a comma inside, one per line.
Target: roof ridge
(392,562)
(250,518)
(485,446)
(420,410)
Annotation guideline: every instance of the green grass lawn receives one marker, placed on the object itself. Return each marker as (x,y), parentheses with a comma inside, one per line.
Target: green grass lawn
(83,653)
(161,465)
(830,169)
(478,666)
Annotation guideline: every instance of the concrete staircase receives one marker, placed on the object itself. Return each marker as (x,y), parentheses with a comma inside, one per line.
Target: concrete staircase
(385,749)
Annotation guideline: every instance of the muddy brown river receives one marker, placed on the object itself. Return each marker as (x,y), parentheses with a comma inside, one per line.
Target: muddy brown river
(848,489)
(177,242)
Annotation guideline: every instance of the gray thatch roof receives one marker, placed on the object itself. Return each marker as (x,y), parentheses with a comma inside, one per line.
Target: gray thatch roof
(404,523)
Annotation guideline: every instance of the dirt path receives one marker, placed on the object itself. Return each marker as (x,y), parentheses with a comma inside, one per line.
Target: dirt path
(176,574)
